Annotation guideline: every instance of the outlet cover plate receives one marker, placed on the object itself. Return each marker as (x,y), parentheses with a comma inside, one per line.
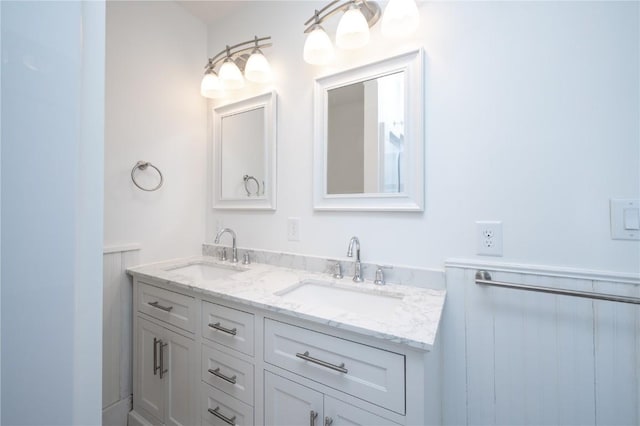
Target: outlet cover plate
(489,238)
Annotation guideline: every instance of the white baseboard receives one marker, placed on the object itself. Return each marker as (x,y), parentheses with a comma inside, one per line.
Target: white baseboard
(136,419)
(116,414)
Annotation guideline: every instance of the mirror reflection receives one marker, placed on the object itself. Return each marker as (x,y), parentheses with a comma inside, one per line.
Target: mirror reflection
(365,136)
(243,155)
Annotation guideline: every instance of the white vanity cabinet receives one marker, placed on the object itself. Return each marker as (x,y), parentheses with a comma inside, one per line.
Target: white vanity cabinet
(228,366)
(289,403)
(200,359)
(164,357)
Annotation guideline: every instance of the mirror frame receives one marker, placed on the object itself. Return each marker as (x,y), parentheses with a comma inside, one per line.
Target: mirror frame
(268,101)
(412,64)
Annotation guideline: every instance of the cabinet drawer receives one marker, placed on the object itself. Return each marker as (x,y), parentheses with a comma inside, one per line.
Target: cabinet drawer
(229,327)
(372,374)
(228,374)
(167,306)
(220,409)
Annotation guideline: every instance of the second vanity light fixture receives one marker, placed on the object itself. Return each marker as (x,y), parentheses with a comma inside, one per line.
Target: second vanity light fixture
(233,61)
(400,18)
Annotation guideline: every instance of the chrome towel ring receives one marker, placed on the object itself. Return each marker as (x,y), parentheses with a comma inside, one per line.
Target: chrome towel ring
(142,165)
(246,179)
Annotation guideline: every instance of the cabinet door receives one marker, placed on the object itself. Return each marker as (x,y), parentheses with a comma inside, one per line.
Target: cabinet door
(338,413)
(180,364)
(290,404)
(151,393)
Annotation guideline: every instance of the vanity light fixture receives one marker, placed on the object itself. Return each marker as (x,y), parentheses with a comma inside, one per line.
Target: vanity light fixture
(400,18)
(233,61)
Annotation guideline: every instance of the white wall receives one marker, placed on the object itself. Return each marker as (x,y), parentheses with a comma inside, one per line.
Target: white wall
(52,142)
(531,118)
(156,52)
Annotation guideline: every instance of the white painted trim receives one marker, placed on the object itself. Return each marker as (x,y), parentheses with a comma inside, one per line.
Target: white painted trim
(122,248)
(135,419)
(546,270)
(116,414)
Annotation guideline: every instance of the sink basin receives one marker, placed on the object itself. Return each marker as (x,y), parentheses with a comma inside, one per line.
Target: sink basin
(205,271)
(364,302)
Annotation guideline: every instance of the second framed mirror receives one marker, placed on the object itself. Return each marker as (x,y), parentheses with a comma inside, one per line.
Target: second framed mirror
(369,137)
(244,146)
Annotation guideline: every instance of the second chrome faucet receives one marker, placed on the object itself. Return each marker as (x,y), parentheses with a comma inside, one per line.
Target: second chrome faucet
(357,273)
(234,250)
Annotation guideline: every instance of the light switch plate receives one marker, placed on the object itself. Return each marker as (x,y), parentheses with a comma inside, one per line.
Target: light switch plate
(293,229)
(625,215)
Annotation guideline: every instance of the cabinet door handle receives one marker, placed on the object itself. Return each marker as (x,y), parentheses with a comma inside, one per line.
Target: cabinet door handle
(162,370)
(231,331)
(217,373)
(325,364)
(157,304)
(231,421)
(328,421)
(312,418)
(155,355)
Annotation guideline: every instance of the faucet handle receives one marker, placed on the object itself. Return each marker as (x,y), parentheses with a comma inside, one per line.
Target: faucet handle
(380,274)
(246,260)
(222,252)
(337,271)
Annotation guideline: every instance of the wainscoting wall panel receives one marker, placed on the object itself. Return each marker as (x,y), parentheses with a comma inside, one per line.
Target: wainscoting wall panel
(117,349)
(514,357)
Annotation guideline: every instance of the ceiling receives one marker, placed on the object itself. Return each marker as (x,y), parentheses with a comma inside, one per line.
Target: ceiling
(210,11)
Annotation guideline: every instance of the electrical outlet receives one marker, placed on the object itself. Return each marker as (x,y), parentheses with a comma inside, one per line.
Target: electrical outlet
(489,238)
(293,229)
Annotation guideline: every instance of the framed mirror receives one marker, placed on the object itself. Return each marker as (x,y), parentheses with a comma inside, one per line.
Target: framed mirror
(369,137)
(244,164)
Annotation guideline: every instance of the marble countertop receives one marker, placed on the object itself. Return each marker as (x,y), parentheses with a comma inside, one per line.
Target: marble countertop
(412,321)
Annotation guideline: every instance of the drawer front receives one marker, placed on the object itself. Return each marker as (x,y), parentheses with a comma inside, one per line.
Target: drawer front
(220,409)
(374,375)
(229,327)
(228,374)
(173,308)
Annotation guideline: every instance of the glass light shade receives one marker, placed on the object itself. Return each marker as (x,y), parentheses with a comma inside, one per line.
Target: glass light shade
(231,76)
(353,29)
(211,87)
(257,68)
(401,18)
(318,49)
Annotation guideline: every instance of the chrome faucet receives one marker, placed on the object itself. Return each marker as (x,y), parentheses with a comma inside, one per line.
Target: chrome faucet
(234,250)
(357,275)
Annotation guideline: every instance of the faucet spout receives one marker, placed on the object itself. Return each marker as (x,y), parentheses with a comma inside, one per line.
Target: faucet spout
(234,250)
(357,273)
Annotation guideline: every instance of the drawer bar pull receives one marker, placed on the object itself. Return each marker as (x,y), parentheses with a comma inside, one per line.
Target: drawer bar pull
(312,418)
(231,421)
(159,306)
(325,364)
(231,331)
(155,355)
(217,373)
(163,371)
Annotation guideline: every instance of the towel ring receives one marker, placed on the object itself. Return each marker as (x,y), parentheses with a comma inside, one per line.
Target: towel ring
(142,165)
(247,178)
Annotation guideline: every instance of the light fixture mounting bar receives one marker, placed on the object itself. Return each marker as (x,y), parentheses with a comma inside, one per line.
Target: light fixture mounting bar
(229,51)
(369,9)
(320,12)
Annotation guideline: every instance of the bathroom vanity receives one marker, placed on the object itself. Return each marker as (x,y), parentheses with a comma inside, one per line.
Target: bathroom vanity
(217,343)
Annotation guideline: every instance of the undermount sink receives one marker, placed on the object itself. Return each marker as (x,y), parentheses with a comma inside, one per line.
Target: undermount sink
(364,302)
(206,271)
